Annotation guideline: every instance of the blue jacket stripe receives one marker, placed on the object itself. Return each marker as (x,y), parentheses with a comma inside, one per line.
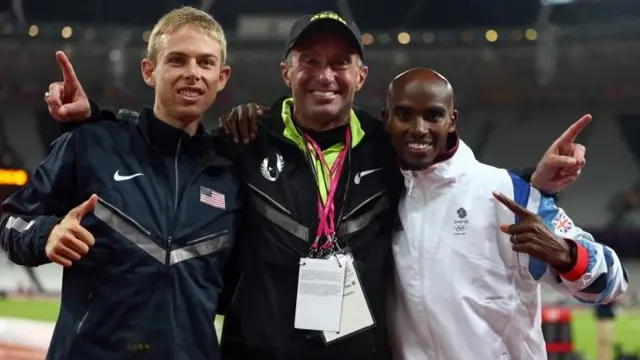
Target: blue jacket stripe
(521,191)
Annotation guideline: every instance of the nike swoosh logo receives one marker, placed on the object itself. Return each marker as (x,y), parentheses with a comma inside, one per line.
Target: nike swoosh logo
(362,174)
(118,177)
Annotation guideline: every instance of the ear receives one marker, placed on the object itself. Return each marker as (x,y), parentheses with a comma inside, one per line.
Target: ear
(362,76)
(454,121)
(386,121)
(384,114)
(284,69)
(223,77)
(148,69)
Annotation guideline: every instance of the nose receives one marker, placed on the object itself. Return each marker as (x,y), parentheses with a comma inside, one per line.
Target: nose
(327,75)
(419,126)
(192,71)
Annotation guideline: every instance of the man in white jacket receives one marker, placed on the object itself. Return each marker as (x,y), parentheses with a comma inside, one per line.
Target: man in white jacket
(474,241)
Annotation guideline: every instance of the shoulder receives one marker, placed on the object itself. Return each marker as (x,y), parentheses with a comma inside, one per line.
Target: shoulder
(498,178)
(101,131)
(374,132)
(223,145)
(513,186)
(368,122)
(481,180)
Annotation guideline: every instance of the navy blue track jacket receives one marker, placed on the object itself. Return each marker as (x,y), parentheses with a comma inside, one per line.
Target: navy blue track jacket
(163,226)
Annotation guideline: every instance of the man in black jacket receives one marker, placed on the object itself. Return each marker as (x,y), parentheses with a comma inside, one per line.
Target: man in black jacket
(143,257)
(289,187)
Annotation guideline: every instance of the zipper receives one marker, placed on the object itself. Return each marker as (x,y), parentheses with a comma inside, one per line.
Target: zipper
(269,198)
(206,237)
(175,168)
(425,193)
(125,216)
(86,314)
(377,195)
(167,259)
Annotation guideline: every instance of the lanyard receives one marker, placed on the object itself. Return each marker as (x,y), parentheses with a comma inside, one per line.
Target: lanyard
(326,210)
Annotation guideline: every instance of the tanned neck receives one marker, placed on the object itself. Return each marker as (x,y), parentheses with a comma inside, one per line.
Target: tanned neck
(315,125)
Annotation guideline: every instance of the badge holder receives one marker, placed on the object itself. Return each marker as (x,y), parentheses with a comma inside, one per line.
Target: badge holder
(354,300)
(320,295)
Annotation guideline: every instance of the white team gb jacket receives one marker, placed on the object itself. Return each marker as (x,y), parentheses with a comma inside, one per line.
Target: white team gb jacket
(461,292)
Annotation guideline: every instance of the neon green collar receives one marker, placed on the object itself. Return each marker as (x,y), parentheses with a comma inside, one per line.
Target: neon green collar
(290,132)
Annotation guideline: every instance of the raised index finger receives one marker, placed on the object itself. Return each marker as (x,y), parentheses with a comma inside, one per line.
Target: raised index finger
(570,135)
(512,205)
(68,74)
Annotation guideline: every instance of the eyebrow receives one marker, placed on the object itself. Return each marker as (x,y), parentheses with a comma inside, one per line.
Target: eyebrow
(180,53)
(433,107)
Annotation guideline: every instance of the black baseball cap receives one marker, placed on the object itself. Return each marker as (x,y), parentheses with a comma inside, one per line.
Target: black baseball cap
(307,22)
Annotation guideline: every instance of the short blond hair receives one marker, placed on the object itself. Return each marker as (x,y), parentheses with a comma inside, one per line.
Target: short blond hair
(178,18)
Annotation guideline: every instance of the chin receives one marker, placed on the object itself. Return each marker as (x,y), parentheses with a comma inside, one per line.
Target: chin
(325,111)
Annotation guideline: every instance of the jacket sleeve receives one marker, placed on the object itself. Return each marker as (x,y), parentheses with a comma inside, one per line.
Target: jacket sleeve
(29,214)
(597,276)
(527,174)
(97,114)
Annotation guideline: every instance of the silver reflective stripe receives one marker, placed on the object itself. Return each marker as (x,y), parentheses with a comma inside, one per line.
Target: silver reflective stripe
(363,220)
(200,249)
(209,244)
(278,218)
(270,199)
(19,225)
(84,318)
(362,204)
(135,236)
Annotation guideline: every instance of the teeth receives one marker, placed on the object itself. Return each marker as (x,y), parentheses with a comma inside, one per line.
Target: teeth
(418,146)
(190,93)
(324,93)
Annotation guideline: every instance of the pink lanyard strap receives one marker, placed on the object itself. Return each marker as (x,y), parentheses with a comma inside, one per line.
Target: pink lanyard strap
(326,211)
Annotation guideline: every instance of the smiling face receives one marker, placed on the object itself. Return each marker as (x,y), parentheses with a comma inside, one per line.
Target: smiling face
(187,75)
(324,72)
(419,117)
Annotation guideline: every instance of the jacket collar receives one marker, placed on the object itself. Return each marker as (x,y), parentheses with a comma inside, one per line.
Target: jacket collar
(448,168)
(277,125)
(165,138)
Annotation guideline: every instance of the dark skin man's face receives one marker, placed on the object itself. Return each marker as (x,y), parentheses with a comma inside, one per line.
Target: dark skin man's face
(419,117)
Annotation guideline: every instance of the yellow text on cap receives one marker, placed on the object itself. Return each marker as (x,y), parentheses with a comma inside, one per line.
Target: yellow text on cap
(328,15)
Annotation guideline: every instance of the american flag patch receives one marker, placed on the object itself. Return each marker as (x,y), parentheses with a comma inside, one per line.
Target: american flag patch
(212,198)
(562,223)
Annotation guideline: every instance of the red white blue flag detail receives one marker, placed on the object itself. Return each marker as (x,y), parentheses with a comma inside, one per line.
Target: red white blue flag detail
(212,198)
(562,223)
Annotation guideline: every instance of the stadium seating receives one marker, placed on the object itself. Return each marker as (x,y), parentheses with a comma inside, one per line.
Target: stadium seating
(20,135)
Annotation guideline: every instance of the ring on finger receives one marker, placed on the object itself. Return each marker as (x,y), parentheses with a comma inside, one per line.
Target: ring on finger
(514,238)
(46,95)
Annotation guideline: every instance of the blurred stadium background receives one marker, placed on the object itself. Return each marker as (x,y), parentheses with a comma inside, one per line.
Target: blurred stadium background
(522,70)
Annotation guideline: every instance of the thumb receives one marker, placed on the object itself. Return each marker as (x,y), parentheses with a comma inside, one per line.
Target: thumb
(85,208)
